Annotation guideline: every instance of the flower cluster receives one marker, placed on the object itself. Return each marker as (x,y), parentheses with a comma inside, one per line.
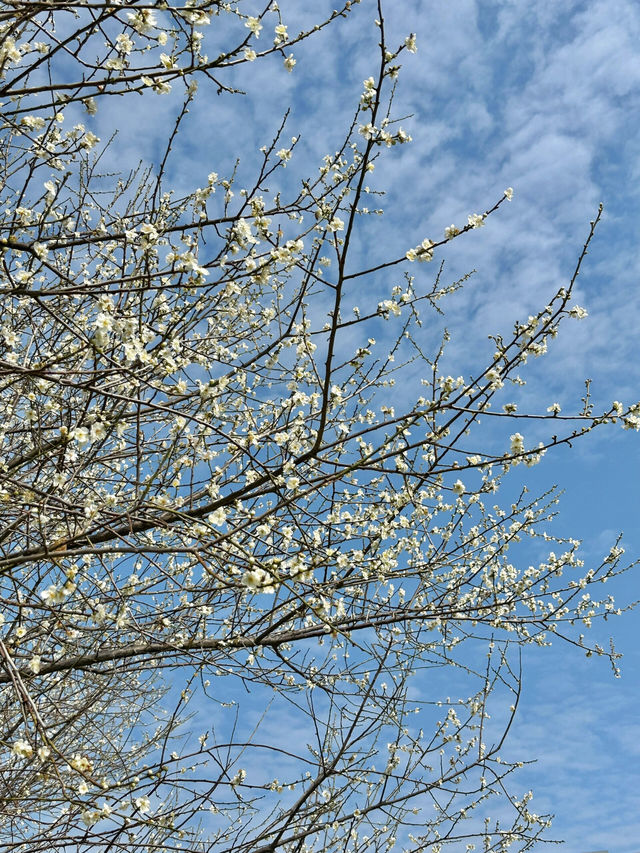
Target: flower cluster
(423,252)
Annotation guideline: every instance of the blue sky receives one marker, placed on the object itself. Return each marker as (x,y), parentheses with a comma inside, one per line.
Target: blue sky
(542,97)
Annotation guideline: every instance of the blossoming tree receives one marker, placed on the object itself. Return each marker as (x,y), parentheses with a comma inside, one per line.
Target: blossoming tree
(227,560)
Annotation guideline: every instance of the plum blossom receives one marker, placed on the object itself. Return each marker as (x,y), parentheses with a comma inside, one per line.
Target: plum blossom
(517,443)
(254,25)
(143,804)
(22,748)
(578,312)
(259,580)
(410,43)
(218,517)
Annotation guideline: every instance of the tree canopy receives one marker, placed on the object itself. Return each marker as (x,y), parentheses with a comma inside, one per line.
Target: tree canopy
(247,519)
